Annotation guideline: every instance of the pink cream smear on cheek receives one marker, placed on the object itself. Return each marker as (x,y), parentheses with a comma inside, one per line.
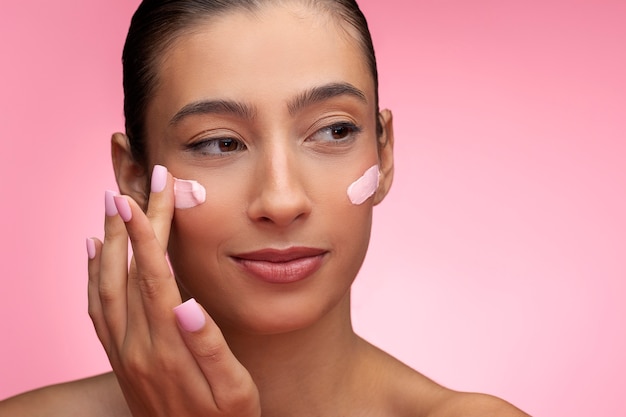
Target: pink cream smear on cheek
(188,193)
(365,186)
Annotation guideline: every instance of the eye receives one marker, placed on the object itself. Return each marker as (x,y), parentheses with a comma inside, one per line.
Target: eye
(338,132)
(218,146)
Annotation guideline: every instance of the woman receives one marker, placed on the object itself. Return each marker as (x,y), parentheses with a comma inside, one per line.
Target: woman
(255,146)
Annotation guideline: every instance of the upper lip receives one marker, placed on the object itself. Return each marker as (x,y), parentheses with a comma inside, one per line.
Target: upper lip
(280,255)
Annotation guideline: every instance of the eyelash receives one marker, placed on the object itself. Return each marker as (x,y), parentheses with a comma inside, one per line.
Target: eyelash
(204,146)
(352,131)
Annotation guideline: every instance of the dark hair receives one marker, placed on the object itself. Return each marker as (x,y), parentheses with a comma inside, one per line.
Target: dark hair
(157,24)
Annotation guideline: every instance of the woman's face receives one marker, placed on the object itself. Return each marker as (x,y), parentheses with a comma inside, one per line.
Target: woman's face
(274,114)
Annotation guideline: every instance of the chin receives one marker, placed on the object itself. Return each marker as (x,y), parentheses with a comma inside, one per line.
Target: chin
(277,313)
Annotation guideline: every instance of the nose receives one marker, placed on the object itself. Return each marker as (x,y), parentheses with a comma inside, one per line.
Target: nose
(279,195)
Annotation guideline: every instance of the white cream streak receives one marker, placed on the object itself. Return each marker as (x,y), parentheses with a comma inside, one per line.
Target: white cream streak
(188,193)
(364,187)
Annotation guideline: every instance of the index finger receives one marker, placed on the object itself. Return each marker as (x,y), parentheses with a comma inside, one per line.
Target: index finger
(161,203)
(152,289)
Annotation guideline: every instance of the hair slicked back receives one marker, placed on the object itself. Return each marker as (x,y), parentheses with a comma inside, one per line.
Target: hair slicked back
(157,24)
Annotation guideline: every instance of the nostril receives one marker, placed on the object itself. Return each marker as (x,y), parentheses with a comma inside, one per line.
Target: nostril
(278,211)
(278,197)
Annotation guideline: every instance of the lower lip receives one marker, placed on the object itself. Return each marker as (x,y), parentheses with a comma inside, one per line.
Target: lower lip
(282,272)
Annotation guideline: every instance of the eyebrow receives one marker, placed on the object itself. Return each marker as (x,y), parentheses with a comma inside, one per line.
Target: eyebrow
(322,93)
(307,98)
(240,110)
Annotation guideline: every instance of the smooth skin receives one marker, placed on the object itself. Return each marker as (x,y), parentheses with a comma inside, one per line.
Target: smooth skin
(276,176)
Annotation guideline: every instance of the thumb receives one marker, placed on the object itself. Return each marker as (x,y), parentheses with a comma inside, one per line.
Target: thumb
(231,384)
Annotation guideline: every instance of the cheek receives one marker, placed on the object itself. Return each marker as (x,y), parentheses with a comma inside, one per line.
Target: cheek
(351,229)
(188,193)
(199,232)
(344,211)
(365,186)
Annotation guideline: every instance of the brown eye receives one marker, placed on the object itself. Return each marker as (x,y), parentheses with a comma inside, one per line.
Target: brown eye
(336,133)
(228,145)
(340,132)
(217,147)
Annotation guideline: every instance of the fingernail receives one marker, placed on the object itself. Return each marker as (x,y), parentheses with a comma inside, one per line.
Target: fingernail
(190,316)
(91,248)
(123,208)
(109,204)
(159,178)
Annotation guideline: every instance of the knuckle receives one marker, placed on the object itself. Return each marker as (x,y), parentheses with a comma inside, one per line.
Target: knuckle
(157,211)
(242,396)
(106,292)
(241,400)
(148,284)
(94,313)
(134,362)
(145,365)
(214,353)
(114,232)
(167,363)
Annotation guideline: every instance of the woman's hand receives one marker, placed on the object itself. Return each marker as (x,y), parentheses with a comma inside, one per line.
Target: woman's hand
(167,363)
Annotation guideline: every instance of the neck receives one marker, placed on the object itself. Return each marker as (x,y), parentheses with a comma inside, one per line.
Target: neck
(302,369)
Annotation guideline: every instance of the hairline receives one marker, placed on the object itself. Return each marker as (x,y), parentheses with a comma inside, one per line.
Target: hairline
(334,12)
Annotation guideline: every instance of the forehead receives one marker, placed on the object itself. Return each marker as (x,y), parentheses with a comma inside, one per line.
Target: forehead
(260,57)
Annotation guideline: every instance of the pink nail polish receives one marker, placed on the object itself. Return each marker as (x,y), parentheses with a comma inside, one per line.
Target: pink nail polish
(190,316)
(159,178)
(123,208)
(109,204)
(91,248)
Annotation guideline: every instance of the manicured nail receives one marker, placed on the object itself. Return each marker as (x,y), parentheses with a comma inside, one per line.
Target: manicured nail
(123,208)
(91,248)
(109,204)
(190,316)
(159,178)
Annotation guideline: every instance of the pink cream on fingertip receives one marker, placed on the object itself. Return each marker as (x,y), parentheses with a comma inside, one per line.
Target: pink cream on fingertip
(365,186)
(188,193)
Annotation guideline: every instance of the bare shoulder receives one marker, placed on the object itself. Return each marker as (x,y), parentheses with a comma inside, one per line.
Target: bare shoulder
(408,393)
(430,399)
(474,405)
(98,396)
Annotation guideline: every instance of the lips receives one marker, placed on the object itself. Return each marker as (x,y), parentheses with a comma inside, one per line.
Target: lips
(278,266)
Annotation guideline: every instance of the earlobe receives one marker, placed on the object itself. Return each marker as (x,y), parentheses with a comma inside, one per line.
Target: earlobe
(385,156)
(131,177)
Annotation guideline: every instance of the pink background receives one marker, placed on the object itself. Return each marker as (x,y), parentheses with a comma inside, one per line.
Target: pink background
(498,262)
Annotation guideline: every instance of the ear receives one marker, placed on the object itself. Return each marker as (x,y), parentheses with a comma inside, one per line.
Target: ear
(385,156)
(131,177)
